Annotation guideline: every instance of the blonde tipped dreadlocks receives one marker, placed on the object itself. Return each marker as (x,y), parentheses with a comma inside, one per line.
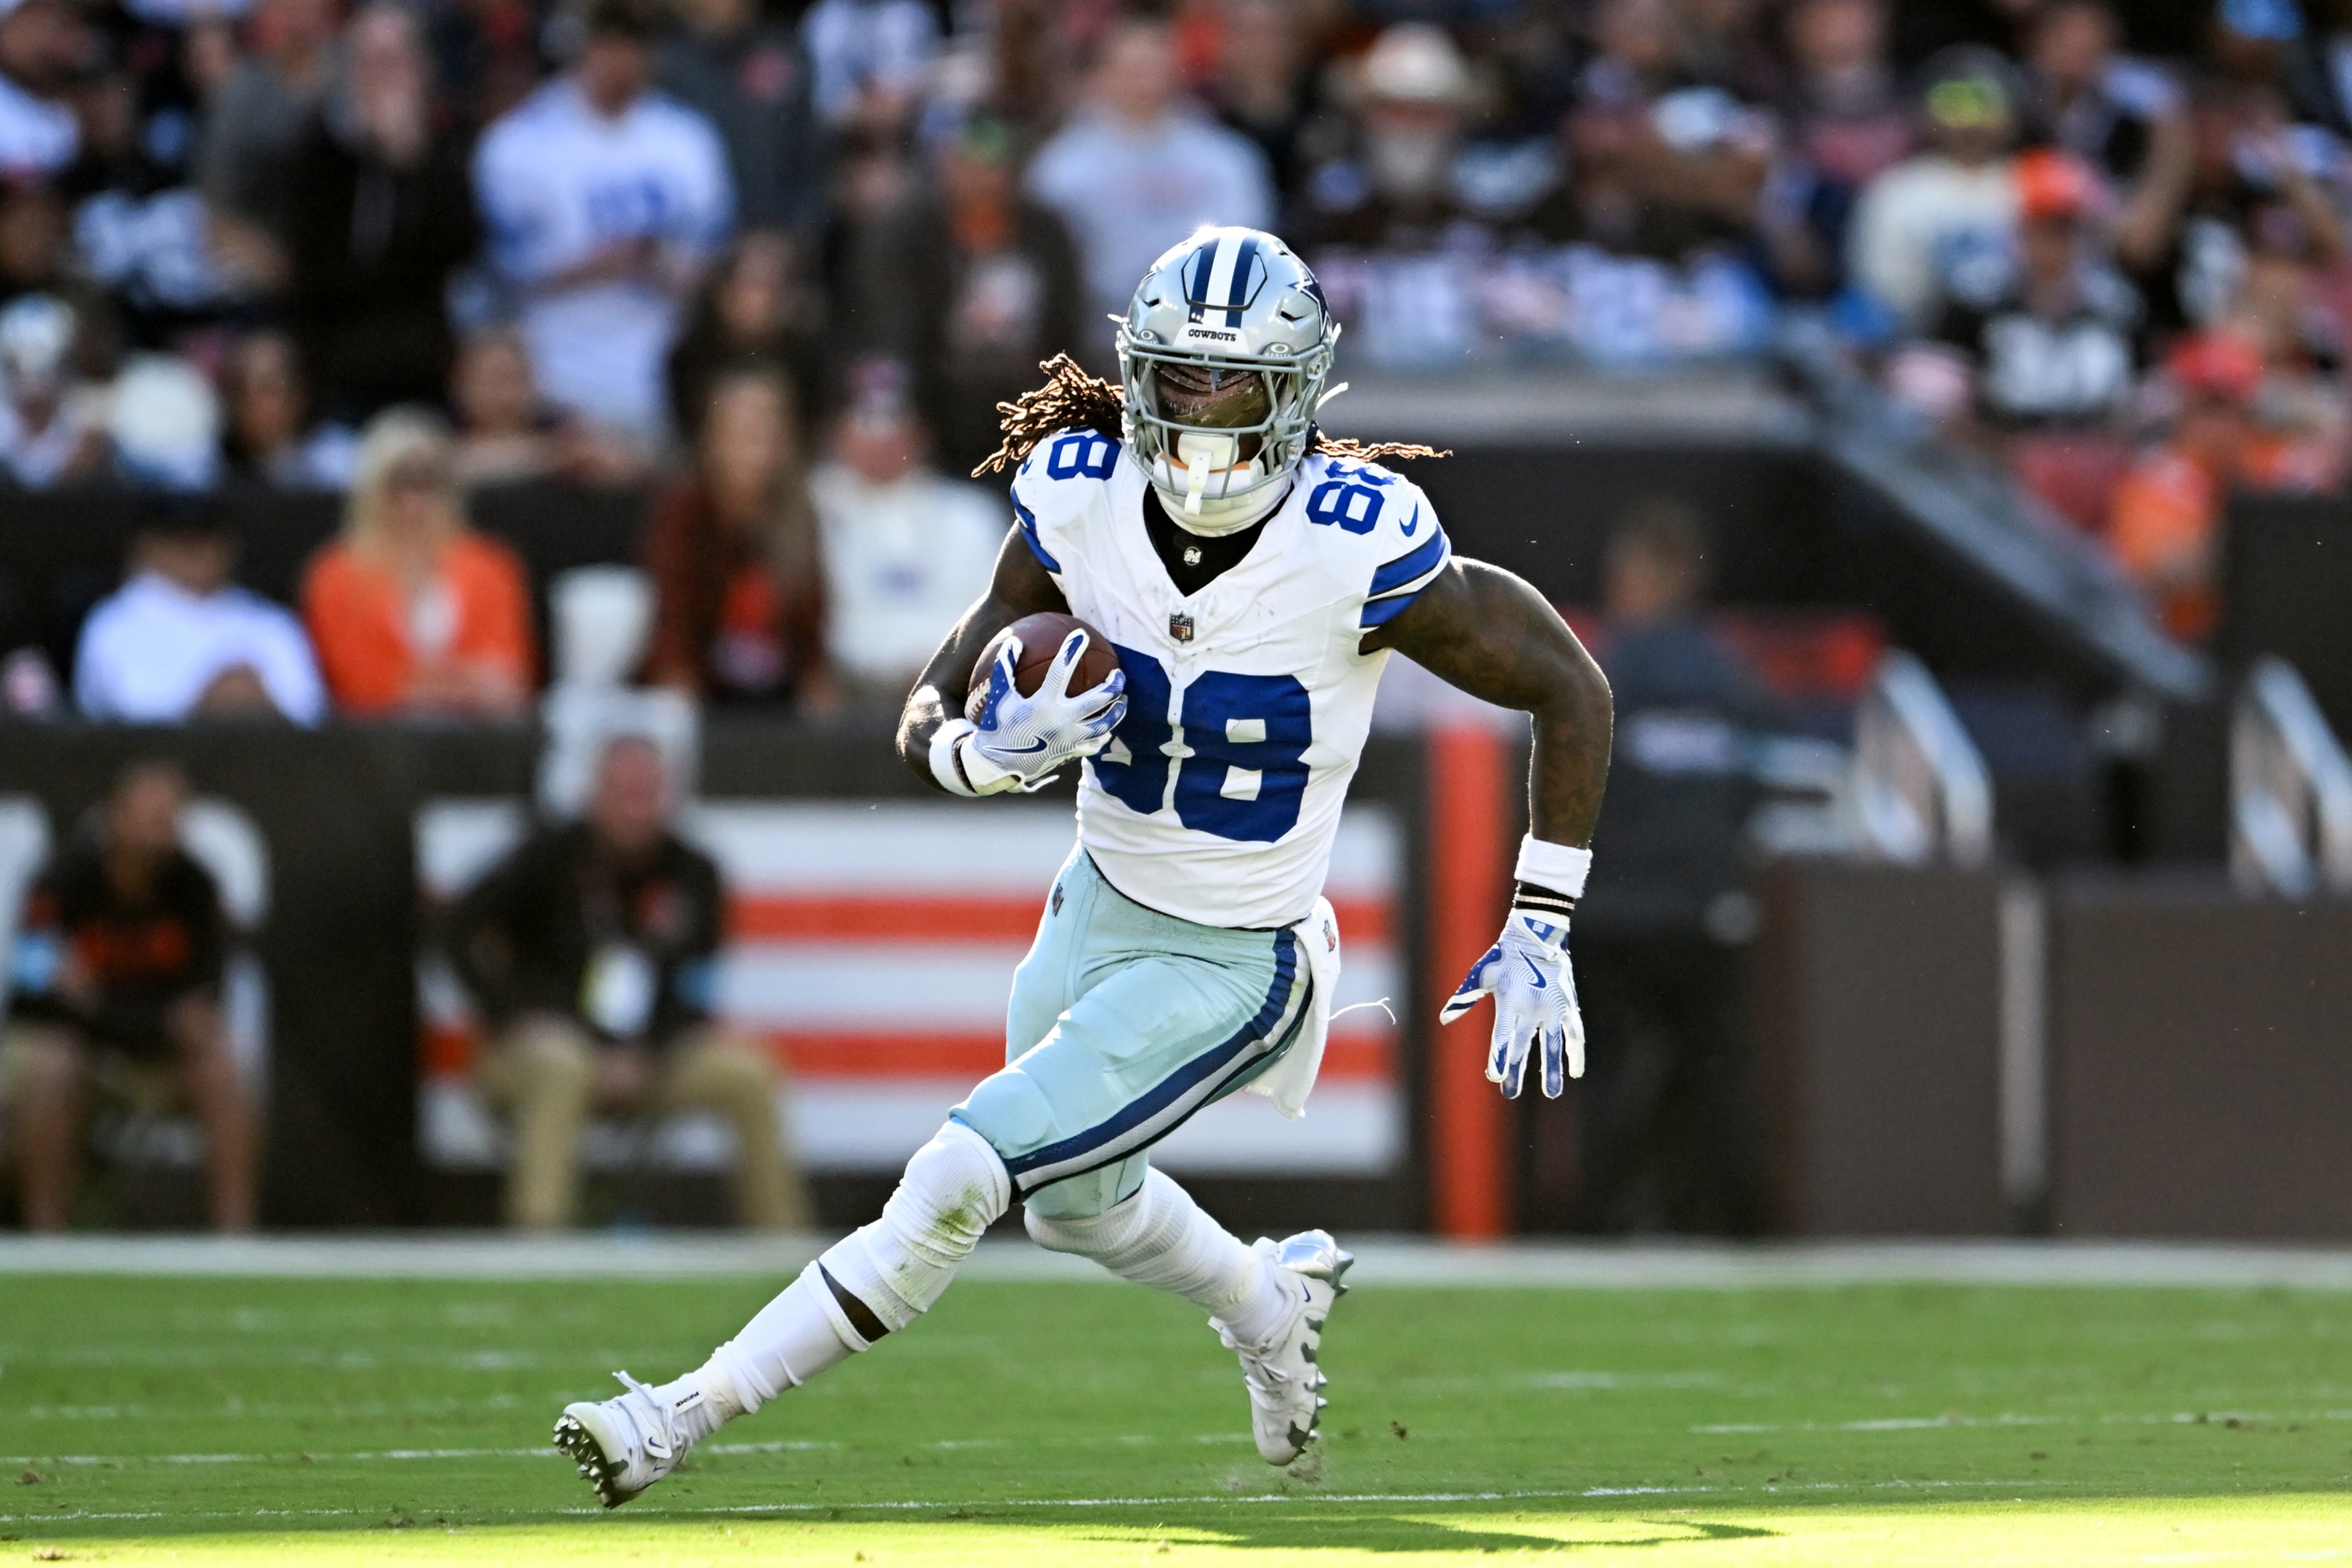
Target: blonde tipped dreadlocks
(1357,451)
(1070,399)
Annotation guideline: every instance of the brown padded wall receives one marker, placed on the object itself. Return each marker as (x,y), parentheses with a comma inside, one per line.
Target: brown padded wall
(2201,1063)
(1878,997)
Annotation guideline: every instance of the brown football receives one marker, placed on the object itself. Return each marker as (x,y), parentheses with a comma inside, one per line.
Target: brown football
(1041,635)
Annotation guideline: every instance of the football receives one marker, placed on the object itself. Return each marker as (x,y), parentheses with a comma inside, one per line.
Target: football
(1041,635)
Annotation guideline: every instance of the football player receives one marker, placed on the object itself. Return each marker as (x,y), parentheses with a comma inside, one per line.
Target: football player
(1253,575)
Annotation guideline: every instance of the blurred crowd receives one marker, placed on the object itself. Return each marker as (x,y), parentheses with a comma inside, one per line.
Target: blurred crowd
(775,267)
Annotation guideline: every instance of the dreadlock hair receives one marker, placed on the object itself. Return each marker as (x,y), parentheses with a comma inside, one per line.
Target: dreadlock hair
(1070,399)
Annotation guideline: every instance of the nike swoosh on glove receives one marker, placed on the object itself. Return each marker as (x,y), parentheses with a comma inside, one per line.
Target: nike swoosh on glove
(1526,971)
(1019,741)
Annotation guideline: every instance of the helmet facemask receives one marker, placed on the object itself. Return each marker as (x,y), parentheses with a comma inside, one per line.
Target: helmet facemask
(1212,431)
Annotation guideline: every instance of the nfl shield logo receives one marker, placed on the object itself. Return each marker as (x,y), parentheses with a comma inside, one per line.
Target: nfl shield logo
(1181,627)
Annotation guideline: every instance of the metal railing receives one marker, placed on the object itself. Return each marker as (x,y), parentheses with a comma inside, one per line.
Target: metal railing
(1921,793)
(2290,789)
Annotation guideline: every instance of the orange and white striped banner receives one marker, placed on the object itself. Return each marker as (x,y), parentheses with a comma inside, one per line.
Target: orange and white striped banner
(874,945)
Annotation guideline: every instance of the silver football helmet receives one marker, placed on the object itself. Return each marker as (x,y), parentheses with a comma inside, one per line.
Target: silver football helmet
(1223,355)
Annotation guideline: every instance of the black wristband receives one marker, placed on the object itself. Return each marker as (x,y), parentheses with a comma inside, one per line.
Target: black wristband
(1541,900)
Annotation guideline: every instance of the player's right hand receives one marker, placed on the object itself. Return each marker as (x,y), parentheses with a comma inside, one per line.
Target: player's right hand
(1020,742)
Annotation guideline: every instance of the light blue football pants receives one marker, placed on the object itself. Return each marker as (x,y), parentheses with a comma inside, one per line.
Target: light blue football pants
(1123,1023)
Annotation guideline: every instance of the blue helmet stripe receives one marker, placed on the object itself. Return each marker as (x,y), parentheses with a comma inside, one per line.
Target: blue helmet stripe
(1196,288)
(1237,291)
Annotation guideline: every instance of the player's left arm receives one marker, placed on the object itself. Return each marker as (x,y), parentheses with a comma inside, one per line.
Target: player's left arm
(1487,632)
(1482,629)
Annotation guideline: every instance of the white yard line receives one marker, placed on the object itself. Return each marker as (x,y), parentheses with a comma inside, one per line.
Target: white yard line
(1236,1440)
(1396,1261)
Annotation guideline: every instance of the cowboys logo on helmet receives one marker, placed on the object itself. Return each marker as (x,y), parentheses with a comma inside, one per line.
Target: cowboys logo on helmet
(1223,355)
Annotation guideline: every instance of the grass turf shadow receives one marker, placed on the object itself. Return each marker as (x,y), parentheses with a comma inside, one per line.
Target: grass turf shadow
(1383,1533)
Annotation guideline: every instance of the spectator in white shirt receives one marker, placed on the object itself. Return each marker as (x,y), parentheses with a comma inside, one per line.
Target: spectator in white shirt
(38,135)
(1140,168)
(603,202)
(906,549)
(179,640)
(1940,226)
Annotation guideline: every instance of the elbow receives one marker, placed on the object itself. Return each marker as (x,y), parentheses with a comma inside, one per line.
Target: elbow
(914,735)
(1581,703)
(1591,703)
(1597,704)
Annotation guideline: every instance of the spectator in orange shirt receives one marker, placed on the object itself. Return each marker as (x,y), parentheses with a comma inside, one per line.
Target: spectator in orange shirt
(411,610)
(2166,515)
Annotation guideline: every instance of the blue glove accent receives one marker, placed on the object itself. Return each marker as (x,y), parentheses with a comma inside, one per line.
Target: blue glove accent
(1526,971)
(1030,737)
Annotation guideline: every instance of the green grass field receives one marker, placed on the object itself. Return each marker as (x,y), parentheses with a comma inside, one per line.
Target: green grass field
(209,1420)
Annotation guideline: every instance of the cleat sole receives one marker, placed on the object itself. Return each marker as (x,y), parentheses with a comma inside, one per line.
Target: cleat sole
(577,1444)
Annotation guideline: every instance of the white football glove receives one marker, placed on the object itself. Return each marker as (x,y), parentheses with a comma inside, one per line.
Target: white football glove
(1019,743)
(1526,971)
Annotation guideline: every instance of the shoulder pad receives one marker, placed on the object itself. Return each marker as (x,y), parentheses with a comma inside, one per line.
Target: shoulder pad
(1362,500)
(1387,531)
(1055,482)
(1069,454)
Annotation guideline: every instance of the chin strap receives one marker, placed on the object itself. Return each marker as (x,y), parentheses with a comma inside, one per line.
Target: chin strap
(1196,477)
(1219,515)
(1182,479)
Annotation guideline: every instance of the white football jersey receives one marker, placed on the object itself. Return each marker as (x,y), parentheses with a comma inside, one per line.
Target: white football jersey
(1218,795)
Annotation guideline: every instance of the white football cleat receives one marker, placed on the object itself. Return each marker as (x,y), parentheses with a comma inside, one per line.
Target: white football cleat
(621,1445)
(1285,1385)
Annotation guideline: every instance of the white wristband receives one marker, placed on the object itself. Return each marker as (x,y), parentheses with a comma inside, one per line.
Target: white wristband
(1563,867)
(943,758)
(965,771)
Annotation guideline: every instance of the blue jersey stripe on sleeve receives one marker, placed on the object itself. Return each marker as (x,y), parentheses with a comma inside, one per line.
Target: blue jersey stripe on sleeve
(1380,612)
(1405,568)
(1029,533)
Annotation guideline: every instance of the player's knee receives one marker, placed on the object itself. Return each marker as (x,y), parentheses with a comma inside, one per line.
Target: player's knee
(1102,1234)
(1009,1109)
(954,1189)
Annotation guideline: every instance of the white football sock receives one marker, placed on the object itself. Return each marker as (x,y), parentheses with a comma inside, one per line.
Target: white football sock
(788,1341)
(954,1188)
(1160,1237)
